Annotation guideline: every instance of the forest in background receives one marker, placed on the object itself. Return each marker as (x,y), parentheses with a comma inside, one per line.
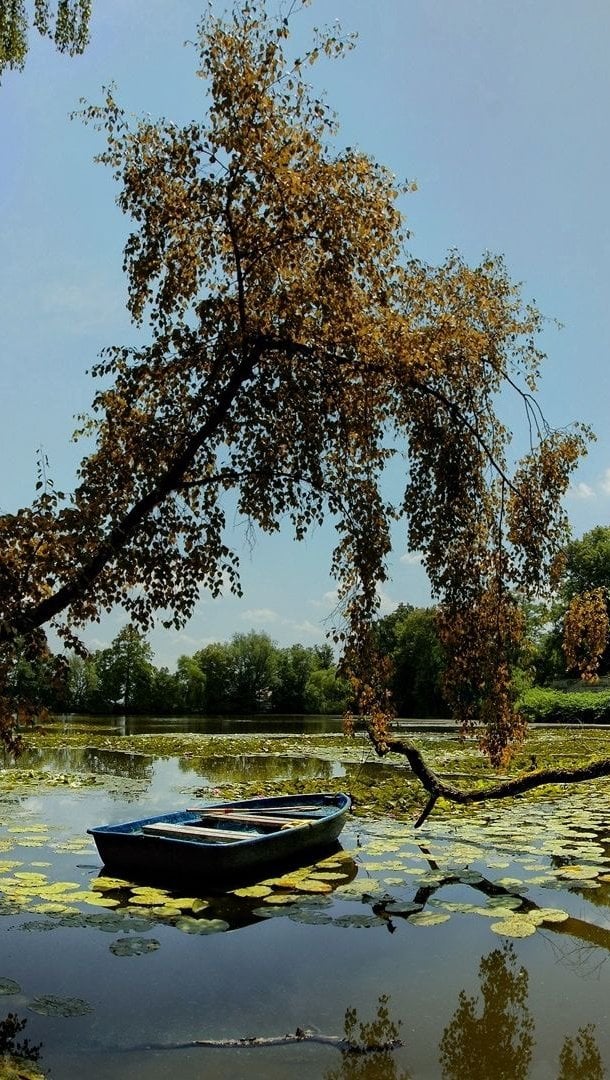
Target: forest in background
(252,674)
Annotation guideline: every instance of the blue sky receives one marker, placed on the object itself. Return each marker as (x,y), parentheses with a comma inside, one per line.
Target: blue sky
(498,109)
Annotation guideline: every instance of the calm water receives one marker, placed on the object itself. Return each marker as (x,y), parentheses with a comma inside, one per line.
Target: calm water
(473,1004)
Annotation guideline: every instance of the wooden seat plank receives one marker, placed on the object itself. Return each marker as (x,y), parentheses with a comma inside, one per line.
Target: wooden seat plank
(192,831)
(256,819)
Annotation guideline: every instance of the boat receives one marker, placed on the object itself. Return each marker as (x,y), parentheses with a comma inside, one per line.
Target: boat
(223,841)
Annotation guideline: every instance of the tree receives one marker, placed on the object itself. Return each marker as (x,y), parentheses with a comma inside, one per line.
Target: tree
(254,667)
(192,684)
(67,26)
(294,349)
(125,674)
(409,637)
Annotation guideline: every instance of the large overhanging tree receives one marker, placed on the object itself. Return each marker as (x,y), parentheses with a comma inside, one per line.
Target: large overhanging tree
(293,350)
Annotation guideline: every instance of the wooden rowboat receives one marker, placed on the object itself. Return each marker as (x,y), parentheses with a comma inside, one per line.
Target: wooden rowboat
(225,840)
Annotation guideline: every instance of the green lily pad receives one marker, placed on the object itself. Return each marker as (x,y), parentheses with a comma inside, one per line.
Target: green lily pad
(280,899)
(9,986)
(428,918)
(135,946)
(201,926)
(109,884)
(552,915)
(358,921)
(519,926)
(253,891)
(403,907)
(271,911)
(309,916)
(49,1005)
(504,902)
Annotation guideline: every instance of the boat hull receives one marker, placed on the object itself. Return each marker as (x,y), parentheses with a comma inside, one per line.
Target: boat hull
(128,848)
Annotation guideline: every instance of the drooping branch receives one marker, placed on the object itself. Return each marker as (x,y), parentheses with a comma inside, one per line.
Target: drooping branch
(438,788)
(120,534)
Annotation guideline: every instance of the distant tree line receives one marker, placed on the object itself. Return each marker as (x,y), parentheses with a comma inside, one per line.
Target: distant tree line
(252,674)
(248,674)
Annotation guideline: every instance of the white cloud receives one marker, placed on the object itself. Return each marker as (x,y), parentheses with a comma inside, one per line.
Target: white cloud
(582,491)
(260,616)
(605,483)
(329,600)
(411,558)
(305,627)
(386,604)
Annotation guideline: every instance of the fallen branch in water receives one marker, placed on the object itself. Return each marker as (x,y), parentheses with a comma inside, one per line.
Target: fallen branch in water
(346,1046)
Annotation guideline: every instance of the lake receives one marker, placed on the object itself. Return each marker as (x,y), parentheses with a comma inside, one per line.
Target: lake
(483,938)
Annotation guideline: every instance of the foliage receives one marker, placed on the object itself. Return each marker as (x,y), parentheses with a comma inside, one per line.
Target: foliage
(124,672)
(549,706)
(10,1027)
(370,1045)
(586,563)
(67,27)
(294,350)
(586,625)
(409,638)
(248,674)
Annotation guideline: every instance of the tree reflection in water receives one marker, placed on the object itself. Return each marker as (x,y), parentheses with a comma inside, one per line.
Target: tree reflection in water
(580,1057)
(360,1061)
(498,1043)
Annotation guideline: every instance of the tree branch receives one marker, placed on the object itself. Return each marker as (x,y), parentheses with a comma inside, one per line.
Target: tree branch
(346,1046)
(438,788)
(120,534)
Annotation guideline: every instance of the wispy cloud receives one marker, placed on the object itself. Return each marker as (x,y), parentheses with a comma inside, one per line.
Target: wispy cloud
(605,482)
(260,616)
(584,491)
(411,558)
(328,601)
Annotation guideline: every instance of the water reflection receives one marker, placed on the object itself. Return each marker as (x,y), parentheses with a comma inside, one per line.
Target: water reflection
(87,759)
(492,1039)
(241,767)
(491,1036)
(580,1057)
(369,1047)
(256,724)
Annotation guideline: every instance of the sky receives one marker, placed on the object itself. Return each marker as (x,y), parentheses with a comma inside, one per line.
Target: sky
(498,109)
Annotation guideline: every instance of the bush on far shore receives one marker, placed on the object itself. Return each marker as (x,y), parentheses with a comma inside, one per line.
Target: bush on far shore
(543,705)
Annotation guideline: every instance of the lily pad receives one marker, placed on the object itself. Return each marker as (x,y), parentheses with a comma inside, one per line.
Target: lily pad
(253,891)
(201,926)
(49,1005)
(9,986)
(358,921)
(308,885)
(553,915)
(403,907)
(109,884)
(135,946)
(271,911)
(519,926)
(428,918)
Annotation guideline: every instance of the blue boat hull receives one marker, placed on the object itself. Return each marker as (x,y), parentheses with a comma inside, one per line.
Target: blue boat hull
(128,848)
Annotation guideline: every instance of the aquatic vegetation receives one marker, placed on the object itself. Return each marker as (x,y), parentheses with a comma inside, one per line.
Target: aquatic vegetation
(136,946)
(50,1005)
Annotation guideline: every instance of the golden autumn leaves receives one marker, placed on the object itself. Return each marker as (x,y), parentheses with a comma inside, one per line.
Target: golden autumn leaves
(294,350)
